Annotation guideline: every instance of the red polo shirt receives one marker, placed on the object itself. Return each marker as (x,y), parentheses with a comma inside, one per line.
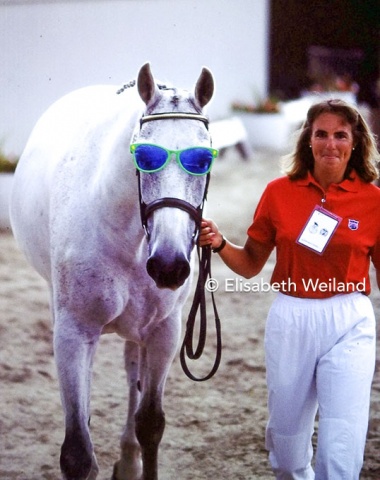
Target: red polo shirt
(283,212)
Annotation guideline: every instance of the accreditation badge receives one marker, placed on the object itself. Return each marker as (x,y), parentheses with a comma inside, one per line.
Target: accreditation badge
(319,229)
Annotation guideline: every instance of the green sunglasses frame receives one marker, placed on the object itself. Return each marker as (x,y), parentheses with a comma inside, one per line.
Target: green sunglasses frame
(177,153)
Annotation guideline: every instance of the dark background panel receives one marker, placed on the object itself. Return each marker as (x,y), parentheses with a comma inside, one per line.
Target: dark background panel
(348,32)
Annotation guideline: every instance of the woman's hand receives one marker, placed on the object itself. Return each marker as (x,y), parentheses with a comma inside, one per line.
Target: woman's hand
(246,261)
(209,234)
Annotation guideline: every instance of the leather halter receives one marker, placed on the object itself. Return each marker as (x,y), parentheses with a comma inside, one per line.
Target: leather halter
(146,209)
(199,301)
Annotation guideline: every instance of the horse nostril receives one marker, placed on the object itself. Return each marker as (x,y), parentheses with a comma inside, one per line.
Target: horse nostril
(168,274)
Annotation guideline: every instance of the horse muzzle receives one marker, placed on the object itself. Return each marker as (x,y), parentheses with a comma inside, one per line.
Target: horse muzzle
(167,265)
(168,274)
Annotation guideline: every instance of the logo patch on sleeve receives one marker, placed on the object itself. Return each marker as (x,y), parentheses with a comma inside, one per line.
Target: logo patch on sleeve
(353,224)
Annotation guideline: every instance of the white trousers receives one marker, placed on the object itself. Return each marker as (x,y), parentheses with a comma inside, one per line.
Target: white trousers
(320,356)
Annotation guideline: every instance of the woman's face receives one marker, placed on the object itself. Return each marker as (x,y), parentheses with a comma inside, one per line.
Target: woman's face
(331,142)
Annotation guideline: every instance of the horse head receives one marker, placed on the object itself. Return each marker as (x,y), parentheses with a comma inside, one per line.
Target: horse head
(173,155)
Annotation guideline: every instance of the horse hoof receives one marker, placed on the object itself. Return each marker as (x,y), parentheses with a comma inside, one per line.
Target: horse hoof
(94,469)
(114,473)
(121,474)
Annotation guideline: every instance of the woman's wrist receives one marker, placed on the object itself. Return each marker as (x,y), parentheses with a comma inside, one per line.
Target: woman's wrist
(221,246)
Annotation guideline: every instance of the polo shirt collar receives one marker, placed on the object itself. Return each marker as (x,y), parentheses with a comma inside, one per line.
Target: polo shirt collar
(350,184)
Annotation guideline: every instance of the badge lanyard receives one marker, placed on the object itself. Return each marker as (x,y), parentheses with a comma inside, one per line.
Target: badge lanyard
(319,229)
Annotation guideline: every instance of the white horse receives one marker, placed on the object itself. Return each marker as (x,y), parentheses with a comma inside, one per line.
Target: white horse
(75,212)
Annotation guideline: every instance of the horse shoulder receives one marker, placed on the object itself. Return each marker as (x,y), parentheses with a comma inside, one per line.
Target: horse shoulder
(60,169)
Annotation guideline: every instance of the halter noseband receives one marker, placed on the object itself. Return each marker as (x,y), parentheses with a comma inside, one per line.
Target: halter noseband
(147,209)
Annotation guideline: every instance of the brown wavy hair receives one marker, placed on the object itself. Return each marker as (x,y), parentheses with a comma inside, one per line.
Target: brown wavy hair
(364,159)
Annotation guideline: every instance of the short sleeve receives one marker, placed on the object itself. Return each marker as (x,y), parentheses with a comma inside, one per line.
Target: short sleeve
(262,229)
(375,254)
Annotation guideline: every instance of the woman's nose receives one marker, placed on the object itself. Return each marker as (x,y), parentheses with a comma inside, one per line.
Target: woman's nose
(331,142)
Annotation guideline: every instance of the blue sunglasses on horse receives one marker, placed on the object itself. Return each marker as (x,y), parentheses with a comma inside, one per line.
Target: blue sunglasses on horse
(150,158)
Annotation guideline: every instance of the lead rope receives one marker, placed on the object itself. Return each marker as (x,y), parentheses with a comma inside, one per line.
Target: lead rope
(199,302)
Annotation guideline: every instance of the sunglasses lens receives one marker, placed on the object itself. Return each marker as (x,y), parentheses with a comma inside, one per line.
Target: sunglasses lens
(197,160)
(150,157)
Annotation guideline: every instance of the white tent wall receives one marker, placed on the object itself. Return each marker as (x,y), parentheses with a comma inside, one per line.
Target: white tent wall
(50,47)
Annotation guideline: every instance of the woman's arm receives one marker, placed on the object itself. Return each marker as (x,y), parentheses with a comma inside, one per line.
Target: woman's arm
(246,261)
(378,278)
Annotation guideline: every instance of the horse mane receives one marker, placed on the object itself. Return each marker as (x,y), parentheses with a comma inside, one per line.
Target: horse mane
(161,86)
(132,83)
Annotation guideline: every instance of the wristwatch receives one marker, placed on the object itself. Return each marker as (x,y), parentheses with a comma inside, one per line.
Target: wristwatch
(221,246)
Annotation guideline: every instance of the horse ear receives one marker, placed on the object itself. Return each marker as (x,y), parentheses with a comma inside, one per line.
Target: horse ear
(145,83)
(204,88)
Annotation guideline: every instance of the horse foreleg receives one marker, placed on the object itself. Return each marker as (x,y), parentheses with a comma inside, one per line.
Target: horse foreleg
(150,426)
(150,418)
(129,467)
(74,349)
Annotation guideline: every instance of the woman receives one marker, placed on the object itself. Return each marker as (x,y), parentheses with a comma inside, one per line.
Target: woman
(323,219)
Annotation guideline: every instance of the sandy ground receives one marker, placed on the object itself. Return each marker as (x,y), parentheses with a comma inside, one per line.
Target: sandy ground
(215,429)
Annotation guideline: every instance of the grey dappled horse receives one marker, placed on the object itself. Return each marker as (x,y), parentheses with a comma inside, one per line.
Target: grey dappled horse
(75,212)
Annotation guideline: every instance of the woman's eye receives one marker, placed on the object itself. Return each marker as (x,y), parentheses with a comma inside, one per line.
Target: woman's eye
(341,135)
(319,134)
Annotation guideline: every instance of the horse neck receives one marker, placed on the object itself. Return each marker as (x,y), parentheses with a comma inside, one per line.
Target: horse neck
(114,179)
